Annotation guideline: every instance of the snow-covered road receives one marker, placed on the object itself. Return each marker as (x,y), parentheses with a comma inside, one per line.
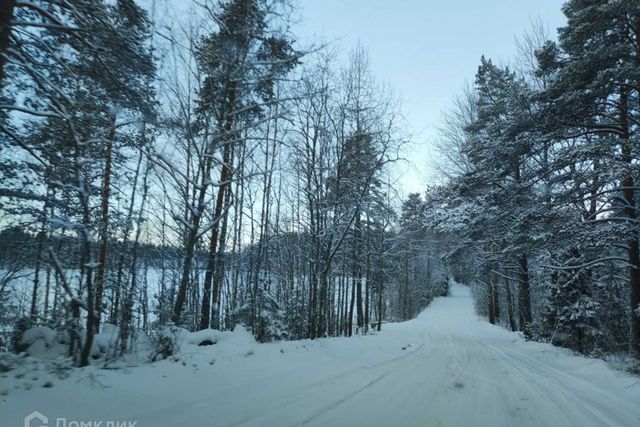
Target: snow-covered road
(445,368)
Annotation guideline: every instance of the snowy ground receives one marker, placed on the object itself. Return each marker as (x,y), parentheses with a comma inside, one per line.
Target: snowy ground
(446,368)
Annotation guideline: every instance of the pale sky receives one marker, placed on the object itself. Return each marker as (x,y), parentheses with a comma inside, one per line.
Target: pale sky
(426,50)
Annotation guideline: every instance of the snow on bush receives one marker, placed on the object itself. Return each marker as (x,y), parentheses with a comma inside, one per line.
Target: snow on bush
(60,367)
(43,343)
(104,341)
(240,341)
(31,336)
(204,337)
(224,343)
(9,362)
(165,342)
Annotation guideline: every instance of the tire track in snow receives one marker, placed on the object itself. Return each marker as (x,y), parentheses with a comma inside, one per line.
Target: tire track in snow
(377,382)
(461,372)
(581,402)
(304,392)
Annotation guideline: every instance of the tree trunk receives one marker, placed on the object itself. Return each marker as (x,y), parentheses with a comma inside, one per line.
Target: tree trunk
(6,14)
(507,288)
(351,303)
(219,269)
(47,290)
(524,296)
(127,309)
(36,276)
(86,265)
(630,211)
(104,224)
(496,296)
(205,312)
(381,282)
(115,309)
(237,233)
(360,314)
(345,299)
(91,317)
(367,283)
(405,293)
(190,244)
(322,306)
(491,301)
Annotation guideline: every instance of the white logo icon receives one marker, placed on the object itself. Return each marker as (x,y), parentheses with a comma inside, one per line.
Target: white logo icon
(35,415)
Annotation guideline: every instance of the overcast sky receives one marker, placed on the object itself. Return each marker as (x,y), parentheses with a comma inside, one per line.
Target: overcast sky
(426,50)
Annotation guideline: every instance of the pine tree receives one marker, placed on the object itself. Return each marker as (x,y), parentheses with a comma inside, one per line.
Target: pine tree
(596,79)
(500,142)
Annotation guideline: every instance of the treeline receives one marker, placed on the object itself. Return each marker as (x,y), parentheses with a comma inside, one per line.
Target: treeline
(544,175)
(259,168)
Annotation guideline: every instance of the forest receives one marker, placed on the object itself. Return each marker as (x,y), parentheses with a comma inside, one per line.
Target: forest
(542,196)
(201,175)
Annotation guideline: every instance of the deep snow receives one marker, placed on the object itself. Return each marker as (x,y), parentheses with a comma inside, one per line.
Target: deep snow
(445,368)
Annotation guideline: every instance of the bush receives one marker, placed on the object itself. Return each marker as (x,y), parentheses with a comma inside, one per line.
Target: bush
(164,342)
(9,362)
(61,367)
(22,325)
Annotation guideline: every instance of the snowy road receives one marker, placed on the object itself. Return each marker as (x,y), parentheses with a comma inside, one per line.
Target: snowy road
(446,368)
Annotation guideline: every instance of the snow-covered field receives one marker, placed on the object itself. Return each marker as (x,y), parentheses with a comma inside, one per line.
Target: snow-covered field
(445,368)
